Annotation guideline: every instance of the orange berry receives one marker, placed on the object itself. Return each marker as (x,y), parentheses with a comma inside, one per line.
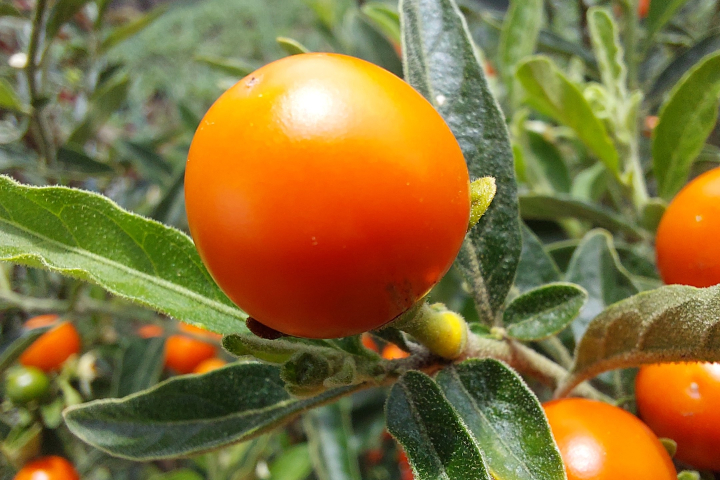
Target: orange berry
(393,352)
(183,354)
(50,351)
(209,365)
(48,468)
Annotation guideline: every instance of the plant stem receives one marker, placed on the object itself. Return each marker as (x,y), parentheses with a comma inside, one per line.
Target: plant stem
(527,361)
(555,348)
(42,131)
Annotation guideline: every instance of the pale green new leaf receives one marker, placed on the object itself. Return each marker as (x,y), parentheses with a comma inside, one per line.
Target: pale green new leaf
(686,120)
(518,36)
(551,93)
(608,52)
(9,100)
(674,323)
(291,46)
(87,236)
(505,418)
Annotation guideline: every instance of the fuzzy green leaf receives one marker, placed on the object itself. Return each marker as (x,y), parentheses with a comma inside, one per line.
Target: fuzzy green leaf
(558,206)
(103,103)
(518,36)
(596,267)
(235,68)
(228,405)
(551,93)
(609,52)
(536,267)
(543,311)
(437,442)
(686,120)
(674,323)
(441,62)
(505,418)
(385,18)
(87,236)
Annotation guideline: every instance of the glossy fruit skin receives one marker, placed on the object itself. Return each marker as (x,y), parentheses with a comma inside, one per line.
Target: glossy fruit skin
(48,468)
(598,441)
(325,195)
(49,352)
(686,244)
(681,401)
(183,353)
(25,384)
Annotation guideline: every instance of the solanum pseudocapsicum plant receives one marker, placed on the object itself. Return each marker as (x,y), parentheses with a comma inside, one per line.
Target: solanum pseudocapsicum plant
(458,415)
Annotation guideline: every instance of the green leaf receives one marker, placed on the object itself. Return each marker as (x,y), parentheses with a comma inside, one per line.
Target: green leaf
(87,236)
(74,160)
(550,162)
(505,418)
(103,103)
(608,52)
(559,206)
(438,443)
(9,99)
(292,464)
(123,32)
(518,36)
(332,450)
(536,267)
(552,94)
(181,474)
(139,366)
(291,46)
(368,42)
(672,73)
(235,68)
(543,311)
(686,120)
(595,266)
(661,12)
(8,10)
(590,184)
(441,63)
(674,323)
(61,12)
(12,351)
(385,18)
(192,413)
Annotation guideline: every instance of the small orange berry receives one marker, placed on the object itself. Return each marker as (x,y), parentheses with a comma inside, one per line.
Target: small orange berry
(209,365)
(50,351)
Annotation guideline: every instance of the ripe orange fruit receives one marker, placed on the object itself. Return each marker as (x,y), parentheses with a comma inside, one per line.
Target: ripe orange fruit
(687,246)
(598,441)
(198,332)
(48,468)
(50,351)
(681,401)
(183,354)
(325,195)
(209,365)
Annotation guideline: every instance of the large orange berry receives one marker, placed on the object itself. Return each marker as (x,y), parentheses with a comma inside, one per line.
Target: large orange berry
(687,245)
(681,401)
(325,195)
(598,441)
